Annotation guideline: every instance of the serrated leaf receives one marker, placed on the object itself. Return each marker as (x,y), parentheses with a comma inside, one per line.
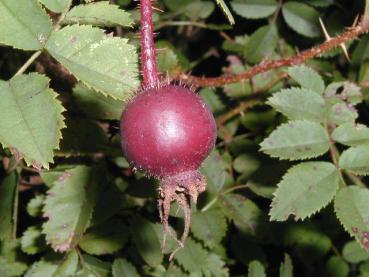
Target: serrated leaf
(356,159)
(226,11)
(296,140)
(342,113)
(98,14)
(34,206)
(105,238)
(69,206)
(352,209)
(57,266)
(146,241)
(8,188)
(209,226)
(354,253)
(307,78)
(261,44)
(193,258)
(351,134)
(166,58)
(299,104)
(337,92)
(256,269)
(245,214)
(301,195)
(24,24)
(49,177)
(95,105)
(213,170)
(254,9)
(109,65)
(286,268)
(216,267)
(123,268)
(56,6)
(32,241)
(301,18)
(26,99)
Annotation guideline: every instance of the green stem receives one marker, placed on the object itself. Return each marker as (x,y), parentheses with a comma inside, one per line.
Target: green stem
(28,63)
(15,212)
(356,180)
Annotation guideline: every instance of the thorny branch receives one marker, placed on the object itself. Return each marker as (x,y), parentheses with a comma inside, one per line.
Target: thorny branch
(351,33)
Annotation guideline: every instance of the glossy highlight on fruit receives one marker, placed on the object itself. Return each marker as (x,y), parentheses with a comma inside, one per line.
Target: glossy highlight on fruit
(167,130)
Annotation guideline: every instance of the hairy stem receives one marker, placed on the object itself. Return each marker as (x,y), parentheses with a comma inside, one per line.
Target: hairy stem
(148,61)
(266,65)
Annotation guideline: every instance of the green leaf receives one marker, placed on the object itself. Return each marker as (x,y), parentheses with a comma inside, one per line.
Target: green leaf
(24,24)
(245,214)
(96,105)
(300,195)
(94,267)
(109,65)
(307,78)
(306,241)
(8,188)
(199,9)
(297,140)
(354,253)
(26,99)
(69,206)
(123,268)
(352,209)
(213,170)
(299,104)
(98,14)
(49,177)
(193,258)
(336,92)
(105,238)
(342,113)
(146,241)
(351,134)
(226,11)
(11,268)
(32,241)
(34,206)
(301,18)
(215,267)
(336,267)
(56,6)
(254,9)
(256,269)
(209,226)
(261,44)
(59,266)
(356,159)
(286,268)
(166,58)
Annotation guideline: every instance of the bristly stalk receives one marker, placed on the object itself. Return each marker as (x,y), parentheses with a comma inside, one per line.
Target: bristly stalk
(148,61)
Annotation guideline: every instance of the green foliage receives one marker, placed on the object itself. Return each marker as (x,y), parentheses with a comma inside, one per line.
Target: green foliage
(301,18)
(25,25)
(78,47)
(300,195)
(65,186)
(98,14)
(25,129)
(297,140)
(65,224)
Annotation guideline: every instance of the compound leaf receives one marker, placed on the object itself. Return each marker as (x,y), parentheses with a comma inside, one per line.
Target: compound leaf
(356,159)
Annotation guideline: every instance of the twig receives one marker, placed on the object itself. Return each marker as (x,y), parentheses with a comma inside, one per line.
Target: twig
(266,65)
